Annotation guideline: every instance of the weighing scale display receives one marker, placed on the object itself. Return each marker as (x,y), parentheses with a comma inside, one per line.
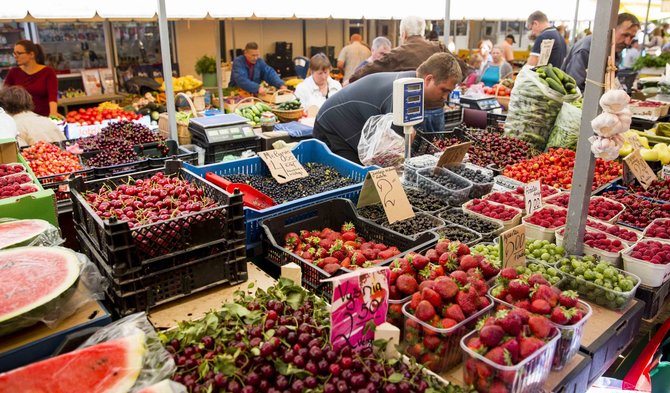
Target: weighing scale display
(222,128)
(407,101)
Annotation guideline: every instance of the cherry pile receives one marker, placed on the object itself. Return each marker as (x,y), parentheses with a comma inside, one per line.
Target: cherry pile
(442,144)
(19,178)
(145,201)
(14,190)
(134,133)
(639,212)
(9,169)
(659,229)
(600,208)
(490,148)
(46,159)
(113,152)
(548,217)
(652,251)
(555,168)
(614,230)
(506,198)
(493,210)
(659,190)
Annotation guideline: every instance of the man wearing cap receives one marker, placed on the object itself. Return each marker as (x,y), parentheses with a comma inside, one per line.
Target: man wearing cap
(507,49)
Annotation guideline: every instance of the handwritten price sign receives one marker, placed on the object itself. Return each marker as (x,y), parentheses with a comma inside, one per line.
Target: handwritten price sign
(640,169)
(360,303)
(533,196)
(513,247)
(383,186)
(283,165)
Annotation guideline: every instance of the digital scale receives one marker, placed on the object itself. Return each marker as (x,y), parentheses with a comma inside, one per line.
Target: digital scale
(487,104)
(407,106)
(217,129)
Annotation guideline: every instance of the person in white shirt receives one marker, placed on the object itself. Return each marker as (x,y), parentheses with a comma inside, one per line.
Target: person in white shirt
(632,54)
(7,126)
(31,127)
(318,86)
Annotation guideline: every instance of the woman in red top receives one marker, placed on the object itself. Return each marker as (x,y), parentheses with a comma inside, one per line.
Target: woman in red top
(34,76)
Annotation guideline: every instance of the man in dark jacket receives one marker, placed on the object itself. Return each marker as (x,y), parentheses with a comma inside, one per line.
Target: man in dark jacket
(249,70)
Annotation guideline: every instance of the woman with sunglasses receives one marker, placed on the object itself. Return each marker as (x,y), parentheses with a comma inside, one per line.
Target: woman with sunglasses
(34,76)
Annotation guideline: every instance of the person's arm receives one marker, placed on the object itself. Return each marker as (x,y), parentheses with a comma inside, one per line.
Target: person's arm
(52,94)
(341,58)
(269,75)
(509,53)
(241,77)
(534,56)
(576,68)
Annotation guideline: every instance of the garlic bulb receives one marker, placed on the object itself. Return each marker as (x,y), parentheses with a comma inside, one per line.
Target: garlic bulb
(614,101)
(606,148)
(607,124)
(625,117)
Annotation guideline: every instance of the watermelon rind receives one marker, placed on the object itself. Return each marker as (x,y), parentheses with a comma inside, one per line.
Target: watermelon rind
(37,229)
(32,313)
(136,349)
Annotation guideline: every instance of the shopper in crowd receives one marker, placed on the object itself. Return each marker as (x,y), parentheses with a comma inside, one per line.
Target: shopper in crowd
(249,70)
(352,55)
(380,47)
(578,59)
(656,39)
(507,48)
(631,55)
(341,119)
(432,36)
(30,126)
(485,47)
(413,51)
(496,69)
(472,73)
(34,76)
(541,30)
(318,86)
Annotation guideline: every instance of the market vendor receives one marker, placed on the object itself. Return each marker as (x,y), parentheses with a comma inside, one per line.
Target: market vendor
(578,59)
(541,30)
(341,119)
(249,70)
(318,86)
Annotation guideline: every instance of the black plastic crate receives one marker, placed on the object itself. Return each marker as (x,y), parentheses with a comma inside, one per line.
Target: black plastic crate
(216,153)
(653,298)
(454,116)
(424,141)
(128,249)
(641,124)
(332,214)
(157,158)
(182,275)
(495,120)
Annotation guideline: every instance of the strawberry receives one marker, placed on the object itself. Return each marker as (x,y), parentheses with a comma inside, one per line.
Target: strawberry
(528,346)
(357,258)
(508,273)
(560,316)
(431,342)
(432,255)
(325,232)
(478,284)
(488,269)
(419,262)
(484,302)
(407,284)
(476,345)
(467,262)
(537,279)
(386,254)
(370,254)
(540,326)
(402,266)
(380,246)
(448,323)
(499,292)
(348,227)
(442,246)
(326,244)
(510,322)
(346,262)
(449,261)
(523,304)
(484,372)
(500,356)
(447,288)
(466,301)
(432,297)
(339,254)
(577,316)
(333,236)
(568,299)
(518,288)
(291,240)
(394,294)
(523,314)
(512,346)
(491,335)
(499,386)
(414,302)
(330,260)
(331,268)
(394,250)
(425,311)
(348,236)
(454,312)
(427,284)
(540,306)
(366,246)
(304,235)
(459,276)
(462,249)
(544,292)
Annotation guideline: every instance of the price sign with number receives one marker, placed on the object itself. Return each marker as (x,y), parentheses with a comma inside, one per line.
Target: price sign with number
(512,245)
(359,304)
(283,165)
(533,196)
(383,186)
(454,154)
(545,52)
(634,142)
(640,169)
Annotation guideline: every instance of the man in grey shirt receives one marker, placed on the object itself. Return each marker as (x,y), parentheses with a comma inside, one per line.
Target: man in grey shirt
(578,59)
(341,118)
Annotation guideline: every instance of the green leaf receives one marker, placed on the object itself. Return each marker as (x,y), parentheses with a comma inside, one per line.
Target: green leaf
(251,285)
(395,378)
(203,369)
(269,334)
(256,351)
(225,365)
(288,369)
(295,299)
(236,309)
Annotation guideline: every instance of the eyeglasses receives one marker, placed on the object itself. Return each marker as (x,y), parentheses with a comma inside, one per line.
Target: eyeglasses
(19,53)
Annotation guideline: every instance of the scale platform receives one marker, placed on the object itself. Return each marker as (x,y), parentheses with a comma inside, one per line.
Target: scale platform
(221,128)
(483,104)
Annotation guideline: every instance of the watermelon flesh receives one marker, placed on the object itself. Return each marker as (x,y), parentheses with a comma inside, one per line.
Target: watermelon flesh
(21,232)
(165,386)
(33,277)
(108,367)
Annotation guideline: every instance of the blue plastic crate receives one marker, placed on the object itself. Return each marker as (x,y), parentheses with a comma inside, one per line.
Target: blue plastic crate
(306,151)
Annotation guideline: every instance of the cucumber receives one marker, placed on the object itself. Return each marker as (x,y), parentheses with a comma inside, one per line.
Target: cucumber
(550,73)
(569,86)
(544,82)
(560,74)
(556,85)
(255,110)
(238,112)
(570,79)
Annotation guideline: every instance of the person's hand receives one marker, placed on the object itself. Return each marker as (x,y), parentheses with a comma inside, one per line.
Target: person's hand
(261,90)
(57,115)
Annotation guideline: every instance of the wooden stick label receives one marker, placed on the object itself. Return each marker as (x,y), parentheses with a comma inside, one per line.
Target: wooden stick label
(383,186)
(283,165)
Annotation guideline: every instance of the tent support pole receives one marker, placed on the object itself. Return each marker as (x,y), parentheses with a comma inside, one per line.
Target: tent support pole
(219,75)
(574,24)
(447,22)
(167,69)
(646,25)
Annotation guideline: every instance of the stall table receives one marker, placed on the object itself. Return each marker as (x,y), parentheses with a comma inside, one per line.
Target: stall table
(67,102)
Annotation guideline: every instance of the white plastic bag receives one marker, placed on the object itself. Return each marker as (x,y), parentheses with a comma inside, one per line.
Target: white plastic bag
(565,132)
(380,144)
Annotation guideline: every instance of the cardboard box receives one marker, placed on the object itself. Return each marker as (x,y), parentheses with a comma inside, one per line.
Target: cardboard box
(39,342)
(8,151)
(607,333)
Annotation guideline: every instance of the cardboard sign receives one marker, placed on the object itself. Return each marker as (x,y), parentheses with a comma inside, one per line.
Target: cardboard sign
(665,172)
(383,186)
(359,304)
(640,169)
(545,52)
(634,142)
(533,195)
(283,165)
(454,154)
(512,245)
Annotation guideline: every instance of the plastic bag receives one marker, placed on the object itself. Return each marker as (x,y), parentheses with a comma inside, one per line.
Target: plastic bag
(49,237)
(88,287)
(565,132)
(533,108)
(380,144)
(165,386)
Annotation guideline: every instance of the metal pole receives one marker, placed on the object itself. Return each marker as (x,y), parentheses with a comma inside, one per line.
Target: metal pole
(447,22)
(219,75)
(646,26)
(582,176)
(574,25)
(167,69)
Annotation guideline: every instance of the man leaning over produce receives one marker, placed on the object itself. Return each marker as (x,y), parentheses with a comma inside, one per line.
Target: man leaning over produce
(341,118)
(249,70)
(578,59)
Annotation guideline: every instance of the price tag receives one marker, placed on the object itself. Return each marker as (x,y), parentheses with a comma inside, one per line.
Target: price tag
(383,186)
(533,196)
(454,154)
(512,245)
(634,142)
(283,165)
(640,169)
(359,304)
(545,52)
(665,172)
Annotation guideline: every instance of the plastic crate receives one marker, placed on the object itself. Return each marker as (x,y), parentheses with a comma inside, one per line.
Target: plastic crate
(478,189)
(330,214)
(423,142)
(454,197)
(605,297)
(509,224)
(496,120)
(445,232)
(119,245)
(306,151)
(454,116)
(181,275)
(217,152)
(653,298)
(175,152)
(414,164)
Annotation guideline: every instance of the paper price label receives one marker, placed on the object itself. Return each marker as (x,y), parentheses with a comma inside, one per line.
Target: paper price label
(283,165)
(383,186)
(665,172)
(545,52)
(634,142)
(454,154)
(640,169)
(533,197)
(512,245)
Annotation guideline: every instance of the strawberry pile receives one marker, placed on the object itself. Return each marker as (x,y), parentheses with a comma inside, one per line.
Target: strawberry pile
(614,230)
(330,250)
(639,212)
(492,209)
(548,217)
(599,207)
(659,228)
(652,251)
(544,189)
(442,304)
(524,274)
(505,339)
(46,159)
(10,169)
(506,198)
(536,295)
(19,178)
(602,242)
(14,190)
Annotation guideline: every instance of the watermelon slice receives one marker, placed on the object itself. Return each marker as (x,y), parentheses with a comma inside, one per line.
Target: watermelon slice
(21,232)
(108,367)
(31,278)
